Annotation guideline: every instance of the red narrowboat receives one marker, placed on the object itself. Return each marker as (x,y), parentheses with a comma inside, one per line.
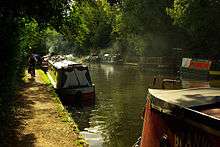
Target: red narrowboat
(182,118)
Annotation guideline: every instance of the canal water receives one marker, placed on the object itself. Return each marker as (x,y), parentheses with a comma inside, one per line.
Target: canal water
(115,118)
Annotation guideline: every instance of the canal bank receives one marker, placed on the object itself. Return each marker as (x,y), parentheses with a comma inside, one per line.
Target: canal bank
(38,118)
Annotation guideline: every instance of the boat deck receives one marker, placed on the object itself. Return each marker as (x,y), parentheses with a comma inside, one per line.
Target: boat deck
(204,100)
(212,111)
(188,97)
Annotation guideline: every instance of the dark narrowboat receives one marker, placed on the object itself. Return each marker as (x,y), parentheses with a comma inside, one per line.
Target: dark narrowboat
(72,80)
(182,118)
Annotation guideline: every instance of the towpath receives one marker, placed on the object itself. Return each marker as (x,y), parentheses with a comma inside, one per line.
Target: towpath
(39,119)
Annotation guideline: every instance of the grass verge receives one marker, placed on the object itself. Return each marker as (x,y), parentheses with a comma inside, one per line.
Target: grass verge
(62,111)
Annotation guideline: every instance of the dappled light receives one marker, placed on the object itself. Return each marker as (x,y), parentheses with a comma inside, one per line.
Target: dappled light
(35,120)
(171,47)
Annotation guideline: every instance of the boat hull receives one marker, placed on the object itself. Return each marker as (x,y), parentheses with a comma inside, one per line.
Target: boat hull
(84,95)
(161,129)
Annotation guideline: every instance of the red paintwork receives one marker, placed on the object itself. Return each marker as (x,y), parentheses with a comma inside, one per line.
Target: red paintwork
(153,128)
(200,65)
(157,124)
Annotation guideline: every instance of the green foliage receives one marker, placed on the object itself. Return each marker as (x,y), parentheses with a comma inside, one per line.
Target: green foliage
(146,16)
(131,28)
(144,27)
(19,30)
(200,19)
(88,26)
(31,37)
(9,60)
(74,26)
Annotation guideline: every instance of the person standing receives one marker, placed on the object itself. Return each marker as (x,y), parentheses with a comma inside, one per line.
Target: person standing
(31,65)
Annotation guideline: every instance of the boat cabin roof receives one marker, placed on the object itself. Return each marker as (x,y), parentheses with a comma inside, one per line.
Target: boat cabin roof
(65,64)
(197,106)
(188,97)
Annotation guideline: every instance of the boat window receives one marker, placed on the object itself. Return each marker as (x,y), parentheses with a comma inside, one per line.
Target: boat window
(70,80)
(81,75)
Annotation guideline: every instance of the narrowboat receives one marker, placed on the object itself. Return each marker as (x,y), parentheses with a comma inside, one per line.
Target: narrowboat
(182,118)
(195,68)
(72,80)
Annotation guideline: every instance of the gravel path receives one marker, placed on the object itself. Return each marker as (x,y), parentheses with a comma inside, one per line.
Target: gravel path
(37,121)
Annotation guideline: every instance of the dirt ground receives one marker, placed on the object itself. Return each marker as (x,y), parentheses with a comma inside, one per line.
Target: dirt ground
(36,120)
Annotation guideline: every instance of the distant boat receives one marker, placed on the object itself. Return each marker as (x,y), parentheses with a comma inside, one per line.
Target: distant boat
(193,68)
(202,69)
(182,118)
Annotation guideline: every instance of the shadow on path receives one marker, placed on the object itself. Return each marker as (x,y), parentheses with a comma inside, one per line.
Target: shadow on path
(32,118)
(12,122)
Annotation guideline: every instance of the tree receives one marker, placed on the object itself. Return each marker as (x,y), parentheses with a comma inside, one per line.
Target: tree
(200,19)
(145,22)
(89,26)
(12,50)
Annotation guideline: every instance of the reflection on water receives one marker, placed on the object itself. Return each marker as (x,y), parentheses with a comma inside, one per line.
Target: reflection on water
(114,120)
(108,69)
